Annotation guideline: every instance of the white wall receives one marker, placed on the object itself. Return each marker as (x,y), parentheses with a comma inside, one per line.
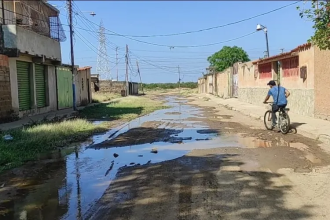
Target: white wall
(30,42)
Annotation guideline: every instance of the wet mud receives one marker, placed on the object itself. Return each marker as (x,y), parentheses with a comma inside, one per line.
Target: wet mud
(205,163)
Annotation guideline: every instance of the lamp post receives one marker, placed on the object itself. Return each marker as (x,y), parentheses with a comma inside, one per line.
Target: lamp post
(259,28)
(90,13)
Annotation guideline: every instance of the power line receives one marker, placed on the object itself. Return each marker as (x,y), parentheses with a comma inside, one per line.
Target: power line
(206,29)
(183,46)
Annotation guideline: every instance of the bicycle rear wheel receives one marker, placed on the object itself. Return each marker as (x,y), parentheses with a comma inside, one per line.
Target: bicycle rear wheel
(268,120)
(284,123)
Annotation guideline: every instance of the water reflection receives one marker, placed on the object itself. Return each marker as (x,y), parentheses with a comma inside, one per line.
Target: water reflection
(68,187)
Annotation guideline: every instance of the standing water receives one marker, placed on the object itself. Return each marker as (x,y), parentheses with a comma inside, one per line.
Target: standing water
(73,183)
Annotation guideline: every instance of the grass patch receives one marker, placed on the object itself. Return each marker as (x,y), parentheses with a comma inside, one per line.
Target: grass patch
(99,97)
(125,108)
(188,92)
(29,143)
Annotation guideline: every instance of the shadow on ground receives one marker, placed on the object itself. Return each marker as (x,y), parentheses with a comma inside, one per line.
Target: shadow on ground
(109,111)
(196,187)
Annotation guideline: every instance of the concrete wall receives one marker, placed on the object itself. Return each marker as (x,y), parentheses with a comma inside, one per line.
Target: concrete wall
(253,89)
(83,87)
(51,96)
(209,84)
(322,85)
(223,82)
(112,86)
(5,94)
(32,43)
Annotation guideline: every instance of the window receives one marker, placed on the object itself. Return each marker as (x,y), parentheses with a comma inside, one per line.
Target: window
(265,70)
(290,66)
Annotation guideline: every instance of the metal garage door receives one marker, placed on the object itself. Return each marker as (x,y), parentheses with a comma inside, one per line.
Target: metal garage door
(23,81)
(64,88)
(40,80)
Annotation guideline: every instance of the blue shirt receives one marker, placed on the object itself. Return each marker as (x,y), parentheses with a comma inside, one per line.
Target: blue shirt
(281,97)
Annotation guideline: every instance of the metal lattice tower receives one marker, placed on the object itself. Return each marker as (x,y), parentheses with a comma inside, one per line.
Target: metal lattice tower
(103,67)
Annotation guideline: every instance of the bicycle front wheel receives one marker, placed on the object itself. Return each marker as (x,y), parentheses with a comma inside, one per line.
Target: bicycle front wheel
(268,120)
(284,123)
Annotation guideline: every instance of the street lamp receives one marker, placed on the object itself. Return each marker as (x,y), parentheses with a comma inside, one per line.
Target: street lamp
(90,12)
(259,28)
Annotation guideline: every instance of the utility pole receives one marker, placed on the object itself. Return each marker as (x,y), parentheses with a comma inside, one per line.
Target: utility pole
(117,61)
(3,12)
(282,50)
(137,64)
(179,80)
(72,54)
(127,85)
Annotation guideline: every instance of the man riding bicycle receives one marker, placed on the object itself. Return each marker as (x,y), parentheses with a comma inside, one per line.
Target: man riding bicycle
(280,95)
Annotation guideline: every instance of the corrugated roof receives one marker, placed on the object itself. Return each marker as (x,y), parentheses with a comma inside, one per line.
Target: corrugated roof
(300,47)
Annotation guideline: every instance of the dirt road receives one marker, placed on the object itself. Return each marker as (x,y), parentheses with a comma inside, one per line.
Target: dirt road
(194,160)
(238,171)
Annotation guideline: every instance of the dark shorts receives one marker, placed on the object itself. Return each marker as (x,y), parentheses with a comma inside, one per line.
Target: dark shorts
(275,108)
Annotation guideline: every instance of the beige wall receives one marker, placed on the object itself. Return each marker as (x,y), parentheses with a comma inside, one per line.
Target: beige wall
(306,58)
(224,83)
(322,85)
(253,90)
(51,96)
(83,88)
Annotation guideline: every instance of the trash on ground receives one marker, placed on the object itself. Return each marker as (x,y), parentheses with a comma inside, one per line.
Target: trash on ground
(8,137)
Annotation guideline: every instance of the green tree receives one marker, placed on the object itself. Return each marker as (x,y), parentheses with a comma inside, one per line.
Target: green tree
(226,57)
(319,14)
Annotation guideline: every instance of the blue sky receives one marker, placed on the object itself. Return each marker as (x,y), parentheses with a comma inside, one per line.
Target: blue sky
(159,64)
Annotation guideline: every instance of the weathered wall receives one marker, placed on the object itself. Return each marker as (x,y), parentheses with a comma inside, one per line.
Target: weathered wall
(5,94)
(202,85)
(51,95)
(306,58)
(209,84)
(112,86)
(30,42)
(253,89)
(83,87)
(322,85)
(224,83)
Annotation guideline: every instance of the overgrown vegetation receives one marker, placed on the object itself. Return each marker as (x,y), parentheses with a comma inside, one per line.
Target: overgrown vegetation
(127,108)
(319,14)
(99,97)
(156,86)
(227,57)
(30,142)
(38,138)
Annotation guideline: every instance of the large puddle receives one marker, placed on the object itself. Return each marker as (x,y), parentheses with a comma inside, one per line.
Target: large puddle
(79,179)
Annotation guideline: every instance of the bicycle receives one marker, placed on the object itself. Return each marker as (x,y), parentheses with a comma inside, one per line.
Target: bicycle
(283,119)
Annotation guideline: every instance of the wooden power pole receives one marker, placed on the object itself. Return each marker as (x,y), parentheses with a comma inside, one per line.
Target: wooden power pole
(117,61)
(72,54)
(137,64)
(179,80)
(127,84)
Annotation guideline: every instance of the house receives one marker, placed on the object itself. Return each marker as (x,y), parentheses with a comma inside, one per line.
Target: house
(304,71)
(83,90)
(30,53)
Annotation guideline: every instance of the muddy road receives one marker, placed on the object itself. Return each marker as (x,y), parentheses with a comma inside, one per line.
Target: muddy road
(195,160)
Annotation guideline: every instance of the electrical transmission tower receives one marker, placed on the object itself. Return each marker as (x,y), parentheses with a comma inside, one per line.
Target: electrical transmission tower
(103,67)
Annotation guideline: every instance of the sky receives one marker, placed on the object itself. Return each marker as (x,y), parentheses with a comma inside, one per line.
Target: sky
(159,63)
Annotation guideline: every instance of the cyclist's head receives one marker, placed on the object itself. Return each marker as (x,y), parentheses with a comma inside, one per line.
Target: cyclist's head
(271,83)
